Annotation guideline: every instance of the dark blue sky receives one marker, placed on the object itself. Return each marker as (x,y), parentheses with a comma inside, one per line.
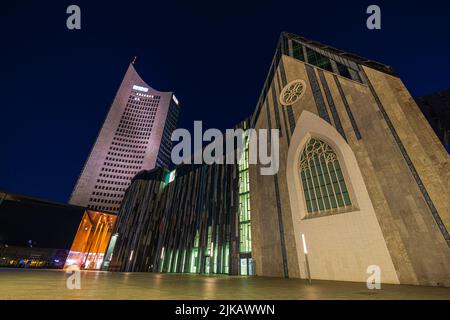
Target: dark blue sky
(57,85)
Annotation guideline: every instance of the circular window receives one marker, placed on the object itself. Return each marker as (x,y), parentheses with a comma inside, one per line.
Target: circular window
(292,92)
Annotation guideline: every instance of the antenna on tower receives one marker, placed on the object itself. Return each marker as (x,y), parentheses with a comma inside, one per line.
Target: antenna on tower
(134,60)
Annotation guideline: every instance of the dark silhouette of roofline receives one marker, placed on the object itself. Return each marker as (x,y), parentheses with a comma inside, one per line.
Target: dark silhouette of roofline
(351,56)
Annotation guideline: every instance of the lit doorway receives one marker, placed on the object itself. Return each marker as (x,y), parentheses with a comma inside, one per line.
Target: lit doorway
(247,267)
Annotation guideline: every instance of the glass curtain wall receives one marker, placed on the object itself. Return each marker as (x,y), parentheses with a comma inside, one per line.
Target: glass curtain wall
(245,232)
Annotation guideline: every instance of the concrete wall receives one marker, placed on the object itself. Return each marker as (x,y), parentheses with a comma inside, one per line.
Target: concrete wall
(91,172)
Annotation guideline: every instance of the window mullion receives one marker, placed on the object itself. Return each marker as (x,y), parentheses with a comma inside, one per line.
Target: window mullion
(318,181)
(338,183)
(307,186)
(324,181)
(331,183)
(313,185)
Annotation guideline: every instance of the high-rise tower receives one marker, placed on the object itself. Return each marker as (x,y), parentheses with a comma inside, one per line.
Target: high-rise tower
(135,136)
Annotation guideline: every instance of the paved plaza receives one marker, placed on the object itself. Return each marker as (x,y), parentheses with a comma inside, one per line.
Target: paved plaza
(51,284)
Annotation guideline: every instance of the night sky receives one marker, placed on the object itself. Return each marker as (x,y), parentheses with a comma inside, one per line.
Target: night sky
(57,84)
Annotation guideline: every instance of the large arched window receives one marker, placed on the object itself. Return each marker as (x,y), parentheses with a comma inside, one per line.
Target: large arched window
(322,179)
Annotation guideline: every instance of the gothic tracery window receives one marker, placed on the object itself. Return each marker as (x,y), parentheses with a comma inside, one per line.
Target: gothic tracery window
(322,179)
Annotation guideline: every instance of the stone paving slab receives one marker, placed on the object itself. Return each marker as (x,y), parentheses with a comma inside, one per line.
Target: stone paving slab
(51,284)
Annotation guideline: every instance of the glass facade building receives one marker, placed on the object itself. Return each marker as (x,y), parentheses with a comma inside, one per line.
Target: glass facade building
(194,219)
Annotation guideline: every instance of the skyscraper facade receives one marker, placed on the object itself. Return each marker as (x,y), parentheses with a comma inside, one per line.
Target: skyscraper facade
(135,136)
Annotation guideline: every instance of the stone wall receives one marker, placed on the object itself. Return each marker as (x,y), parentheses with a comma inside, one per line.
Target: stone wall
(401,219)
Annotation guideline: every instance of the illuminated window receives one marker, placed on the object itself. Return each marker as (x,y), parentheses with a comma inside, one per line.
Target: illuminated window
(322,179)
(139,88)
(194,264)
(245,233)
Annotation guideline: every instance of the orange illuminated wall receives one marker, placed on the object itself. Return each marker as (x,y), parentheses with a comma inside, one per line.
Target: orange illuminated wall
(91,241)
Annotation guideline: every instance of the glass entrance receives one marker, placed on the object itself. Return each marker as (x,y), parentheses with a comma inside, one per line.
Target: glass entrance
(247,267)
